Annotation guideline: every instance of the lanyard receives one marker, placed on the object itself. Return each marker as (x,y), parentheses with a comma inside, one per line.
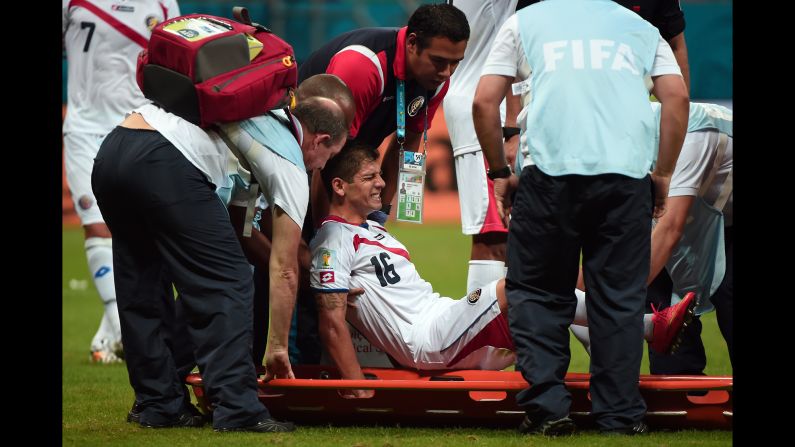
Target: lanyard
(401,118)
(411,165)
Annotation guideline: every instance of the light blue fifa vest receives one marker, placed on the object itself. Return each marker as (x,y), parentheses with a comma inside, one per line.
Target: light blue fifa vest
(272,131)
(590,110)
(698,262)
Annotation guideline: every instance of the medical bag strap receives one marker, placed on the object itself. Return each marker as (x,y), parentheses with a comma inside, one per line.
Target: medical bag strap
(726,189)
(112,21)
(253,189)
(240,13)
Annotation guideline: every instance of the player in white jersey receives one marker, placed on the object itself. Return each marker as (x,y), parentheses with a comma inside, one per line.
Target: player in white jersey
(479,216)
(398,311)
(102,39)
(692,242)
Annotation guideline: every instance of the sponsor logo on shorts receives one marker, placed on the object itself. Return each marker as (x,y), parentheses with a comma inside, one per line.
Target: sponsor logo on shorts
(415,105)
(326,277)
(85,202)
(123,8)
(473,296)
(151,22)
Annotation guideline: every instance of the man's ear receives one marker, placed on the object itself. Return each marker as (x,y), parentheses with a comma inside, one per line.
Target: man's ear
(411,42)
(337,186)
(322,138)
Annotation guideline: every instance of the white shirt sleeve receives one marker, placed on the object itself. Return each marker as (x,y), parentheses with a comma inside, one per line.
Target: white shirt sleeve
(664,60)
(506,54)
(64,17)
(694,162)
(332,259)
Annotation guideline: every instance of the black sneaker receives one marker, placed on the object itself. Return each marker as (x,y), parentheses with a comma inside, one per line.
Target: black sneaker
(559,427)
(184,420)
(638,428)
(134,415)
(266,426)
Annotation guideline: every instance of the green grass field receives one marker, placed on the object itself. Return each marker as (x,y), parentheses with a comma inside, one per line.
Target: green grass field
(96,398)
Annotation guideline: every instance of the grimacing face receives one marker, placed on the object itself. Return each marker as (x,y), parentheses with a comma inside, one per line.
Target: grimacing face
(433,65)
(364,192)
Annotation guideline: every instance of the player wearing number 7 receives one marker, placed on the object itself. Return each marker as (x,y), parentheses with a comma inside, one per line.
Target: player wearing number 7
(398,311)
(102,39)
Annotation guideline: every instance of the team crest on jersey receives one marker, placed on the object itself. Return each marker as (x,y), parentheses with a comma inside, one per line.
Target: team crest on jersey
(123,8)
(473,296)
(151,22)
(326,277)
(415,105)
(325,259)
(85,202)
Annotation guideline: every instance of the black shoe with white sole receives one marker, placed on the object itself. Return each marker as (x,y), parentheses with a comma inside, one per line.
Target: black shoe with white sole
(638,428)
(266,426)
(558,427)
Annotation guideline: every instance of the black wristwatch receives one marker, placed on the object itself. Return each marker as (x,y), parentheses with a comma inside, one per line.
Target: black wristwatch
(508,132)
(503,172)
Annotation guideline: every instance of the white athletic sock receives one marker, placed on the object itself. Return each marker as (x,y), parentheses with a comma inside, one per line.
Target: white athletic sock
(582,334)
(648,327)
(482,272)
(99,253)
(106,334)
(580,315)
(579,327)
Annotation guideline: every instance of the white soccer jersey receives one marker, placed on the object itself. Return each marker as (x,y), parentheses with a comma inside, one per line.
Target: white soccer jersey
(102,59)
(697,159)
(398,312)
(485,17)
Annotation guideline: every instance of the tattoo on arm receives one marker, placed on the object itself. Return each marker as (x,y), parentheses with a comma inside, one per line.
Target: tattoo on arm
(330,301)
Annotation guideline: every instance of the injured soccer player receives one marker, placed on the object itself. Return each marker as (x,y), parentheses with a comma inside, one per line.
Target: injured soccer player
(397,310)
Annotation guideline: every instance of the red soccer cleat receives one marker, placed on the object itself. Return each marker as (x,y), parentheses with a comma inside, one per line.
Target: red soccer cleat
(670,324)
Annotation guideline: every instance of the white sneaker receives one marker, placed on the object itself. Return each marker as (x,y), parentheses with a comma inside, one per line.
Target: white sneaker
(108,352)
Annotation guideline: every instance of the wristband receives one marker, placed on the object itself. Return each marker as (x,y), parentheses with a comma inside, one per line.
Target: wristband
(503,172)
(508,132)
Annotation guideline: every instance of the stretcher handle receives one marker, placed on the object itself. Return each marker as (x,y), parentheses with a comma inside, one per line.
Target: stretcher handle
(477,385)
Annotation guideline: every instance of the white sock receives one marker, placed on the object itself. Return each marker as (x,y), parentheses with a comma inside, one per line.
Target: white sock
(482,272)
(648,327)
(99,253)
(580,315)
(106,333)
(579,327)
(582,334)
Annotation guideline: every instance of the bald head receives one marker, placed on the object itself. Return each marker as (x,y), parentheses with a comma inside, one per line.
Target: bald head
(322,115)
(328,86)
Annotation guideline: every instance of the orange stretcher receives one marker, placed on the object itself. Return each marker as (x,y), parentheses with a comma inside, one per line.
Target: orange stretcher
(472,397)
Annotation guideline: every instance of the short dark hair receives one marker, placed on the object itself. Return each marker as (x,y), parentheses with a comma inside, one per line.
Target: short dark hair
(347,163)
(438,20)
(322,115)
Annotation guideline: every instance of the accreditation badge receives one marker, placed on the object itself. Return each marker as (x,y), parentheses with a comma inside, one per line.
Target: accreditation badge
(411,187)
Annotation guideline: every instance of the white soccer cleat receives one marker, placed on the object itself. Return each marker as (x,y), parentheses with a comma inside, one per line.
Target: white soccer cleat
(107,352)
